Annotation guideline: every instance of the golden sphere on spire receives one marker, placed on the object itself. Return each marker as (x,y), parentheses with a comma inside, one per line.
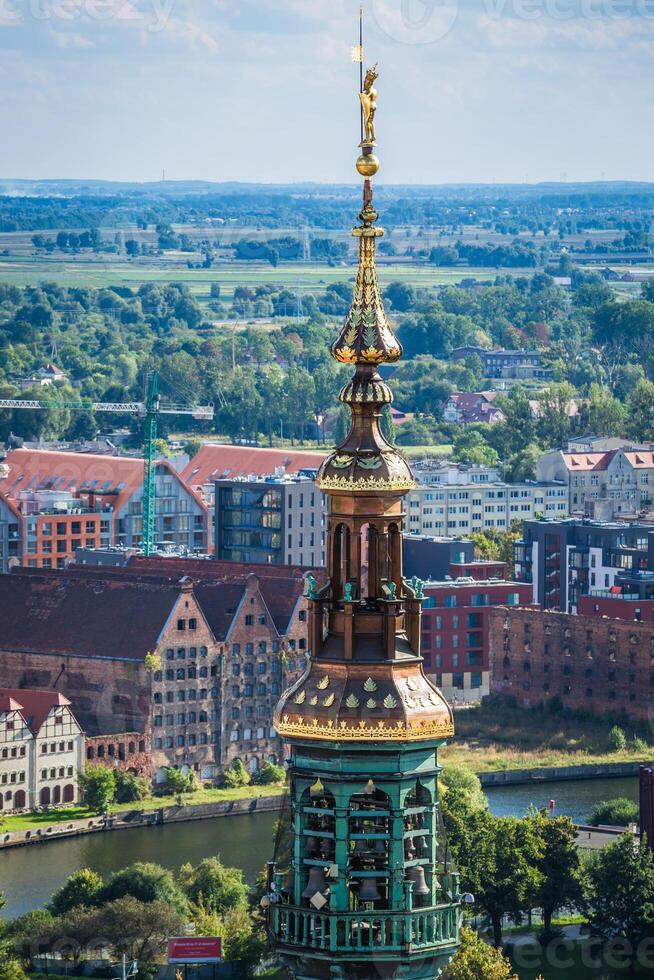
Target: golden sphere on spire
(368,164)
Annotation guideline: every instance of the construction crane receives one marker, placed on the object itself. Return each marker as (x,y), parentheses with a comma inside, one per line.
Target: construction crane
(149,410)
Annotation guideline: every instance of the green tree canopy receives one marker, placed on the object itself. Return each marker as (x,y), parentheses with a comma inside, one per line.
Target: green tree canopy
(145,882)
(217,887)
(476,960)
(81,888)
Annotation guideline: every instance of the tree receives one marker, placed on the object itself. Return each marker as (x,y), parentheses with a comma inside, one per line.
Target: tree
(647,290)
(617,739)
(640,411)
(219,888)
(619,892)
(401,296)
(269,774)
(555,422)
(602,412)
(146,882)
(97,787)
(236,775)
(498,859)
(81,888)
(559,883)
(615,813)
(522,466)
(476,960)
(32,933)
(472,447)
(179,783)
(131,788)
(467,782)
(138,929)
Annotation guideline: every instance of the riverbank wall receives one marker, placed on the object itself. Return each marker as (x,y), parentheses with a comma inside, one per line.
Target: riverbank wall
(518,777)
(267,804)
(139,818)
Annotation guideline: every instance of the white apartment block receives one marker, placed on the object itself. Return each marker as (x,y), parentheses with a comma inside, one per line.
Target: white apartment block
(41,750)
(463,509)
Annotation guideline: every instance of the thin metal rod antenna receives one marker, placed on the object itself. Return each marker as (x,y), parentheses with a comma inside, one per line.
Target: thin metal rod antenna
(361,62)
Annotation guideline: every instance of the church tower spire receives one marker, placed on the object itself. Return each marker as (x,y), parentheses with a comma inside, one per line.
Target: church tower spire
(368,892)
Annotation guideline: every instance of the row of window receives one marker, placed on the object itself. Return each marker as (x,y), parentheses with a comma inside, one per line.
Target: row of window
(12,777)
(14,753)
(235,735)
(56,747)
(57,773)
(181,741)
(181,653)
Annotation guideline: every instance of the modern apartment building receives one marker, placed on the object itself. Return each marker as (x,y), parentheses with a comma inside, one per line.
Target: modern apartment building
(604,485)
(455,632)
(41,750)
(564,560)
(436,559)
(67,501)
(270,520)
(217,462)
(459,510)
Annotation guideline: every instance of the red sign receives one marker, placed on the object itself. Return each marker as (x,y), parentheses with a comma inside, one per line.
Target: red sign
(194,949)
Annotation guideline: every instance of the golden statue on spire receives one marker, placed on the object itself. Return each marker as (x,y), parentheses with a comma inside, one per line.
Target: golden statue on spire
(369,105)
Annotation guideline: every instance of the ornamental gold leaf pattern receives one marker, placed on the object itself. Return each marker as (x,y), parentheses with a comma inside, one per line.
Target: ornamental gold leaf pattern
(323,683)
(301,697)
(370,685)
(352,701)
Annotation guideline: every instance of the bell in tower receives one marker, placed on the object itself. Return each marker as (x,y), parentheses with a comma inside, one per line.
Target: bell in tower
(368,893)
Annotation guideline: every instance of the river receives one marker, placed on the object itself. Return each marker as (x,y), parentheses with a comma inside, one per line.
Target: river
(30,875)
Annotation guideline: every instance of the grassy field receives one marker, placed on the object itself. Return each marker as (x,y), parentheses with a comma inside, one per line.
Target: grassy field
(108,271)
(490,739)
(28,821)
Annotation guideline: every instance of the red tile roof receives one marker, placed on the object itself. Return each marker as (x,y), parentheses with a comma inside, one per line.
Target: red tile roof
(35,706)
(214,462)
(116,478)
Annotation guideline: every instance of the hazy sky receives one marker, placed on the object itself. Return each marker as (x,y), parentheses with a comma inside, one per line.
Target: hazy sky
(265,90)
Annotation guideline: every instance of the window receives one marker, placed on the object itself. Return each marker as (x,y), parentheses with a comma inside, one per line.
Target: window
(181,625)
(249,620)
(192,624)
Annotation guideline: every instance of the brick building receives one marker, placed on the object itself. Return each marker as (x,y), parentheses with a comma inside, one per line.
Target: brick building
(600,665)
(223,642)
(455,632)
(129,751)
(67,501)
(41,750)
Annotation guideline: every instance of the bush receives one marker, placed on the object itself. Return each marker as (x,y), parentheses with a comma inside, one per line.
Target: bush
(615,813)
(130,788)
(236,775)
(269,774)
(617,739)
